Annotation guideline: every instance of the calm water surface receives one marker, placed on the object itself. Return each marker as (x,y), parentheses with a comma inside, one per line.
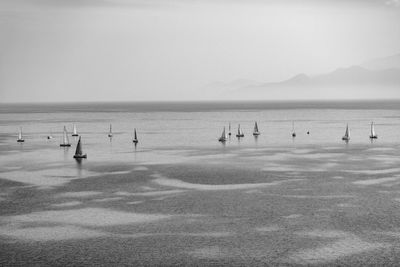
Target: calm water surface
(181,197)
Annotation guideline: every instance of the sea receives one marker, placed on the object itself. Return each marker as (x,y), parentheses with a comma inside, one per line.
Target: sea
(180,197)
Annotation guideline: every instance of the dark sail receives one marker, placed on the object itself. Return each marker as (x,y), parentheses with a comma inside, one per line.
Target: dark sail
(78,150)
(135,139)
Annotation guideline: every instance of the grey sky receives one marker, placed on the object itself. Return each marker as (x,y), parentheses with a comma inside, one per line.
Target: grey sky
(87,50)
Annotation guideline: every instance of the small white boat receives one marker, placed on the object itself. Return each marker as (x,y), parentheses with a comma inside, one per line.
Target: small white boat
(78,152)
(256,132)
(20,139)
(135,139)
(74,132)
(229,133)
(65,140)
(240,132)
(223,137)
(293,131)
(50,136)
(373,134)
(110,134)
(346,136)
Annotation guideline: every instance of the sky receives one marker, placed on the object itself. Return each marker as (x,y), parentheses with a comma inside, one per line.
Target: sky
(145,50)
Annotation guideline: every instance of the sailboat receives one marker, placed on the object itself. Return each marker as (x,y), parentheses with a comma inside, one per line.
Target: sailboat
(75,133)
(293,132)
(110,134)
(240,132)
(223,137)
(135,139)
(346,136)
(256,131)
(65,141)
(78,151)
(373,134)
(229,133)
(20,139)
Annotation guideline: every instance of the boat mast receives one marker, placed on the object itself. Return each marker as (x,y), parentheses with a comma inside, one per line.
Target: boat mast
(372,129)
(65,134)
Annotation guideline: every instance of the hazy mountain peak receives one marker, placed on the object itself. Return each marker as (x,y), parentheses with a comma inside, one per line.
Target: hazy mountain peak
(389,62)
(299,78)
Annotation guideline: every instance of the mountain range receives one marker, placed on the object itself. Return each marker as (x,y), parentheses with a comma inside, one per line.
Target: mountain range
(375,79)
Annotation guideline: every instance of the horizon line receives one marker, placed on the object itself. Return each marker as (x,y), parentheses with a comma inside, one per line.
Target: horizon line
(207,101)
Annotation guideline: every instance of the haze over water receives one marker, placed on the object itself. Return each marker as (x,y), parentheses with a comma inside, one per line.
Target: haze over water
(181,197)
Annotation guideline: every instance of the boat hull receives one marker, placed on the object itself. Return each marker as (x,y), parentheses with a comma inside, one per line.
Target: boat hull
(373,136)
(255,134)
(75,134)
(65,145)
(20,140)
(344,138)
(135,141)
(240,135)
(84,156)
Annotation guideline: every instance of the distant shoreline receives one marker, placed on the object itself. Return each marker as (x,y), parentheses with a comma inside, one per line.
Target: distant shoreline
(195,106)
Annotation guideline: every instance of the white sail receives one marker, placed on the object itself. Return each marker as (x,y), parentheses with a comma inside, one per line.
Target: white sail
(372,129)
(65,136)
(74,131)
(229,128)
(347,133)
(223,137)
(373,134)
(224,134)
(239,132)
(20,139)
(346,136)
(256,131)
